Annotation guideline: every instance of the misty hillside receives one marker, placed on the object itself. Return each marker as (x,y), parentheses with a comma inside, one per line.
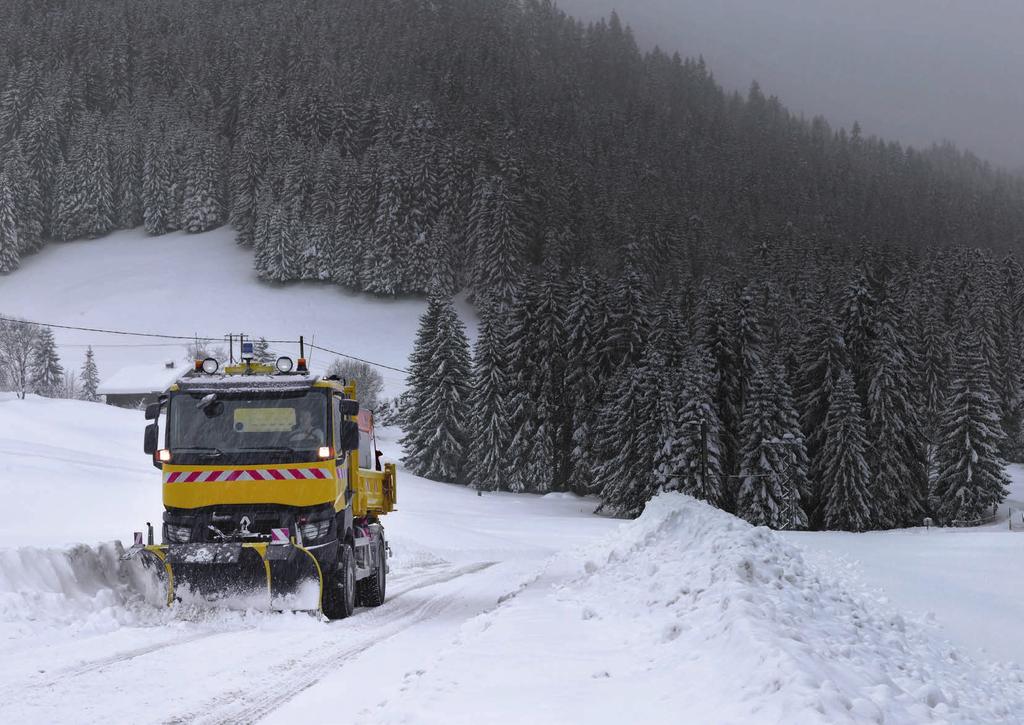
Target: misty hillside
(382,143)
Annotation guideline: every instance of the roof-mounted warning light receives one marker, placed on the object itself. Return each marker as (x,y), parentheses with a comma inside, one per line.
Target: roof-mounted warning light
(301,366)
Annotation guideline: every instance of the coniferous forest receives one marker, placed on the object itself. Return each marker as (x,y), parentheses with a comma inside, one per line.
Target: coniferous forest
(679,287)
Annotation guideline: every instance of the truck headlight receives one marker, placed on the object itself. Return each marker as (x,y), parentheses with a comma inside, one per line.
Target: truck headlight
(315,530)
(178,534)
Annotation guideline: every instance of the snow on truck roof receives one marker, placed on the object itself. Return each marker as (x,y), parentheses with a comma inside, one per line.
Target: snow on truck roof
(141,379)
(220,383)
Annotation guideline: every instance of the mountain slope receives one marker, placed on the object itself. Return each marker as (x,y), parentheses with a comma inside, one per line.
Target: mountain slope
(198,284)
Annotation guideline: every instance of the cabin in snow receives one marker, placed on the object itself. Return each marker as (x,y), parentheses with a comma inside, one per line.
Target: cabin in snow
(135,386)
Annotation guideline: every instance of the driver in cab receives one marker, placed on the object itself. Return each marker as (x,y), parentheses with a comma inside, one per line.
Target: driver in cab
(305,435)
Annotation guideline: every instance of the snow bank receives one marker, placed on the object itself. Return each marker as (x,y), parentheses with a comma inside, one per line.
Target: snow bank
(691,615)
(79,590)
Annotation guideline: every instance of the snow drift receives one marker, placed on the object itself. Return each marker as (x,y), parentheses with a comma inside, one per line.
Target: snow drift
(81,589)
(692,615)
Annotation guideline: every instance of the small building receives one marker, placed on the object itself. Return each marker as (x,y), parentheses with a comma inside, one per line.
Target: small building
(136,386)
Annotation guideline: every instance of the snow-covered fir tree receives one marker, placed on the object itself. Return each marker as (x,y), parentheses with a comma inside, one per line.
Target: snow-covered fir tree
(261,351)
(10,245)
(971,476)
(896,447)
(436,439)
(202,207)
(497,238)
(629,424)
(845,478)
(46,372)
(773,463)
(581,378)
(688,463)
(157,187)
(489,428)
(90,380)
(527,450)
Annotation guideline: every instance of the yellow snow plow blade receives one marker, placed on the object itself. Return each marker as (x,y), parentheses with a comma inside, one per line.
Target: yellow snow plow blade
(215,566)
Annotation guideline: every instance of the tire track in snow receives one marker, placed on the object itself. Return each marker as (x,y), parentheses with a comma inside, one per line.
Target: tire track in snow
(289,678)
(411,580)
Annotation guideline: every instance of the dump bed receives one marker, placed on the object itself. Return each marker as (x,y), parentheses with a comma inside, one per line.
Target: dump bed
(374,492)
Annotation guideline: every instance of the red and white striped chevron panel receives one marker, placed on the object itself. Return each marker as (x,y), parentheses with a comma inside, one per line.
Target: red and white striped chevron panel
(246,474)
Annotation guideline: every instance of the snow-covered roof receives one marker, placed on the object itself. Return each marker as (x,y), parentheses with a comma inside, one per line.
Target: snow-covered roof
(141,379)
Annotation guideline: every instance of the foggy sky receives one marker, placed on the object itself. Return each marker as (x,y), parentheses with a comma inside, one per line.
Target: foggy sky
(916,71)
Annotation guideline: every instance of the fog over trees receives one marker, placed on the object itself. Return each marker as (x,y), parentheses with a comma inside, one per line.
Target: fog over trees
(916,71)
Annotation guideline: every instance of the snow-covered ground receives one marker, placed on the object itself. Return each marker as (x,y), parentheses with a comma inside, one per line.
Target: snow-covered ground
(131,281)
(967,580)
(501,609)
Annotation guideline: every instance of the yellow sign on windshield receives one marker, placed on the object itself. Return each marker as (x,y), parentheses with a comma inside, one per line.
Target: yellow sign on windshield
(264,420)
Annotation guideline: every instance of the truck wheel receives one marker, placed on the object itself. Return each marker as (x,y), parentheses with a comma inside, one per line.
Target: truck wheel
(340,587)
(372,589)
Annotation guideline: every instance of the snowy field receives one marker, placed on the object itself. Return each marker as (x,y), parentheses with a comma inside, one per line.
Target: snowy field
(501,609)
(131,281)
(968,581)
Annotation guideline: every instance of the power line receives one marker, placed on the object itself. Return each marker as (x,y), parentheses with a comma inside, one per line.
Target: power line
(353,357)
(193,338)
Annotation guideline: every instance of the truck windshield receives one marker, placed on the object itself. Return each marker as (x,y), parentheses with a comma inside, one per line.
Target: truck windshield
(240,423)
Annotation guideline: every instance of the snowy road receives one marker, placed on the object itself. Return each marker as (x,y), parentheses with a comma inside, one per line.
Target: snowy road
(240,667)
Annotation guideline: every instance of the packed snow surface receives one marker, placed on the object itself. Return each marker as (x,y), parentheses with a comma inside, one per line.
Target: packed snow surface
(131,281)
(501,609)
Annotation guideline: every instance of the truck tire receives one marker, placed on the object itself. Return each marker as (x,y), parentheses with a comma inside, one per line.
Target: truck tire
(340,587)
(373,588)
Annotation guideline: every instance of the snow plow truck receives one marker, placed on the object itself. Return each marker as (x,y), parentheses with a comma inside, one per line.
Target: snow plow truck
(264,486)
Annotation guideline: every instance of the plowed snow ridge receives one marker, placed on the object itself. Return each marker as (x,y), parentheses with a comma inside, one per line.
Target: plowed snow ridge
(700,617)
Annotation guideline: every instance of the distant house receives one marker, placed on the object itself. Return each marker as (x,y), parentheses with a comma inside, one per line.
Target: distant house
(138,385)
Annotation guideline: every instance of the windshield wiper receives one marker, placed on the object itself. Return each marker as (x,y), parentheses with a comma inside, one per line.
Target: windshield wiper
(211,452)
(269,449)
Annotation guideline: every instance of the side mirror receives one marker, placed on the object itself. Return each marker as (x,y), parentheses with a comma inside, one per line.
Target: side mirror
(349,406)
(349,436)
(152,411)
(152,439)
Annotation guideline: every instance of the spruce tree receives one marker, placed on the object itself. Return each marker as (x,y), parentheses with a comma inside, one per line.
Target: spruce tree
(46,372)
(971,476)
(498,240)
(526,449)
(202,207)
(90,377)
(896,440)
(10,245)
(157,187)
(489,431)
(845,478)
(717,340)
(773,463)
(581,378)
(629,424)
(27,202)
(690,464)
(438,414)
(276,257)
